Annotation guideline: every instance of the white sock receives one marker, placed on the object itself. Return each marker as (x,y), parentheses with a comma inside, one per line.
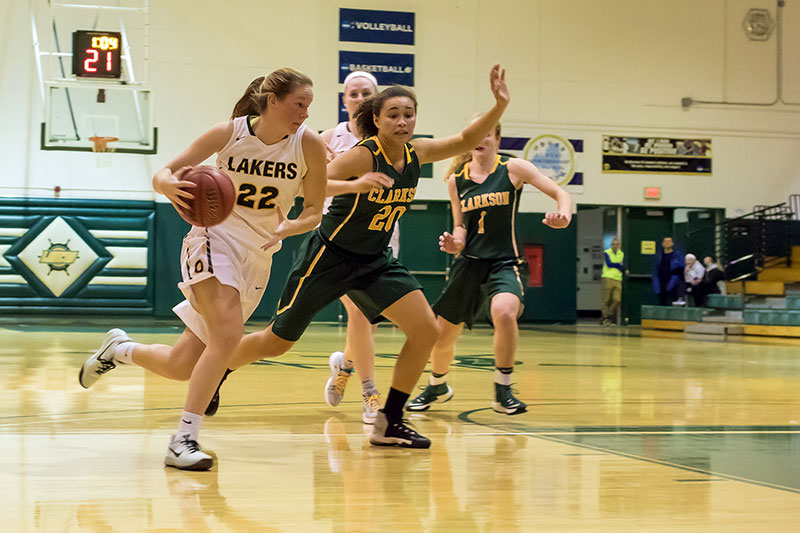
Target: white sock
(369,388)
(438,380)
(124,352)
(189,426)
(346,364)
(502,378)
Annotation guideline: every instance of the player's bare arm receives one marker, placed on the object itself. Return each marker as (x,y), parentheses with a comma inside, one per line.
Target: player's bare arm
(355,162)
(526,172)
(167,181)
(430,150)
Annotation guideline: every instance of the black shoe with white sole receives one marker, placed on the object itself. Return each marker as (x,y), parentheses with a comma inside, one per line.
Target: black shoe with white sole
(386,433)
(505,402)
(213,405)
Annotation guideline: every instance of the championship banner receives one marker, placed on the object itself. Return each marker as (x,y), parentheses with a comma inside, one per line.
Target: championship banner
(656,155)
(387,68)
(558,158)
(371,26)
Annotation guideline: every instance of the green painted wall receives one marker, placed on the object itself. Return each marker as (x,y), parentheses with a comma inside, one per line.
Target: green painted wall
(420,228)
(170,229)
(556,300)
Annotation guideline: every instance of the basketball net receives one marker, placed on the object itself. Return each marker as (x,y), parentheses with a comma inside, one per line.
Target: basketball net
(102,150)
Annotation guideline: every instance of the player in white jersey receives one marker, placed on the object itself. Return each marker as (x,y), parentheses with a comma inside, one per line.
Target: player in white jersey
(359,349)
(268,153)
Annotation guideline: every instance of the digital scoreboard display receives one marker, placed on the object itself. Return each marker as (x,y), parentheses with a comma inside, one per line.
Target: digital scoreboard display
(96,54)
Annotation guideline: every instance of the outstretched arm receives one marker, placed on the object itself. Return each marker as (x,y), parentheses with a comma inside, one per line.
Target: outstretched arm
(527,172)
(430,150)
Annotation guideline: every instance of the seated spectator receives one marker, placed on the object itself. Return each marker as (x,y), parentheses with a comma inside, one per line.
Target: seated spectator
(714,281)
(693,274)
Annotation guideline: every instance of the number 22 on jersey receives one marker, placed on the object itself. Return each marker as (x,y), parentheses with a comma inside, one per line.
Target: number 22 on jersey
(247,190)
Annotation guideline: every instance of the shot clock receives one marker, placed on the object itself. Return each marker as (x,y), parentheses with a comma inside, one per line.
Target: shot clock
(96,54)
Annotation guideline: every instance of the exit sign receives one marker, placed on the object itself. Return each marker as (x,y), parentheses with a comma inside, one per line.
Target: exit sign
(652,193)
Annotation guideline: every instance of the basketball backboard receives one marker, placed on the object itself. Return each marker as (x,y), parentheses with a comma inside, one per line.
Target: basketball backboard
(91,56)
(78,110)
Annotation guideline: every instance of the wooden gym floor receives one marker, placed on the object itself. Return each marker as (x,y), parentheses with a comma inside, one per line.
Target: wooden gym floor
(625,432)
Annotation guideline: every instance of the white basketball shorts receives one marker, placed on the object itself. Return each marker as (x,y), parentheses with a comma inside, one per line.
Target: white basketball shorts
(211,252)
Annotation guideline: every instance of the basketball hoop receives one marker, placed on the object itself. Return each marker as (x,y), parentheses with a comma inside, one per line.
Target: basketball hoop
(102,150)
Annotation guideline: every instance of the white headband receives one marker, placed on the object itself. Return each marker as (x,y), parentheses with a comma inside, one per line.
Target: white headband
(361,74)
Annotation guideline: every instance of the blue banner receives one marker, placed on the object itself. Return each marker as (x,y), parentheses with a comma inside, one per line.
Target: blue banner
(387,68)
(369,26)
(343,116)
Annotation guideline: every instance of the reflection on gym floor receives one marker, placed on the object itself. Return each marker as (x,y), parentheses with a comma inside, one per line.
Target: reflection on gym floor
(623,432)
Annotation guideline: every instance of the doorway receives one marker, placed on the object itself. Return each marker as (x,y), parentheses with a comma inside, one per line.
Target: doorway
(597,225)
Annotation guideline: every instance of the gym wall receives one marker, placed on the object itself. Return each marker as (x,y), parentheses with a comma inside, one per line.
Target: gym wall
(578,68)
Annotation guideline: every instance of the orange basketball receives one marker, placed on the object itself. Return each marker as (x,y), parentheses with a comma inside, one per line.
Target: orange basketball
(214,196)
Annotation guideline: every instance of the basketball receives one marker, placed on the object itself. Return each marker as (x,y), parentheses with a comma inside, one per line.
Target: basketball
(213,196)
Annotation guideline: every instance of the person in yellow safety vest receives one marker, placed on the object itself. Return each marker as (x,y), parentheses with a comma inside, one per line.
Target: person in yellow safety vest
(613,268)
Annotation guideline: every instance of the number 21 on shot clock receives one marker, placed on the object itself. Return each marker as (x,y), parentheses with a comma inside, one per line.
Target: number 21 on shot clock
(96,54)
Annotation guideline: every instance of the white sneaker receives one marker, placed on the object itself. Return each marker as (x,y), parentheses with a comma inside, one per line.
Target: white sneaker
(185,454)
(372,404)
(102,360)
(334,388)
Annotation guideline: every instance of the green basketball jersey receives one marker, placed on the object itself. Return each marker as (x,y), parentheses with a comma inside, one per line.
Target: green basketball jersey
(490,212)
(362,224)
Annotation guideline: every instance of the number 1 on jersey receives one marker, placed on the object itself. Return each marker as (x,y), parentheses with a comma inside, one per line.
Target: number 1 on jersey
(481,229)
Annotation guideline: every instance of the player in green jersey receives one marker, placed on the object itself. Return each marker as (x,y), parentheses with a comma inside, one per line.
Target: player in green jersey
(373,184)
(485,190)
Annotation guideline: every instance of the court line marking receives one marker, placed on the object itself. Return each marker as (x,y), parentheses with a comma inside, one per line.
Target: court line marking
(699,480)
(602,433)
(465,417)
(562,430)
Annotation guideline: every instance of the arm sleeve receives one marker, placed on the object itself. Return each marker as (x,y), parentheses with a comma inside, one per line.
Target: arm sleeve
(609,264)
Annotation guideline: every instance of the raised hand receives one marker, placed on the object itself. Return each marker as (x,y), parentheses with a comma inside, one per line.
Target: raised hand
(280,231)
(497,82)
(448,243)
(372,180)
(556,220)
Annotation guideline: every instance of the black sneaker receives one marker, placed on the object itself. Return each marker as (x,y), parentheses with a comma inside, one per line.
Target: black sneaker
(213,405)
(505,402)
(430,395)
(385,433)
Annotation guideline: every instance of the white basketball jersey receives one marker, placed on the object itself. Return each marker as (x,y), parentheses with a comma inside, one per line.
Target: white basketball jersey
(343,139)
(264,176)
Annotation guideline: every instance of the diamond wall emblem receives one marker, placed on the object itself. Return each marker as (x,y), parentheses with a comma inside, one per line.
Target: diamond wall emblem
(57,256)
